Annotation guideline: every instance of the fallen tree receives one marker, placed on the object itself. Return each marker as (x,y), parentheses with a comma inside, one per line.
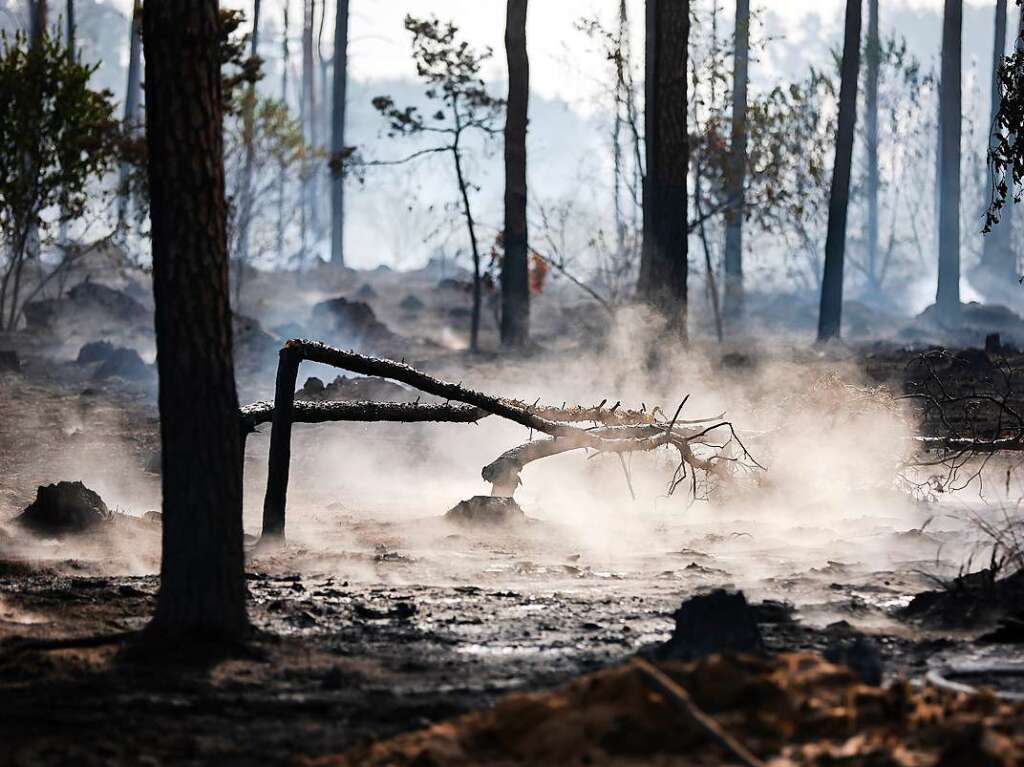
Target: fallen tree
(617,430)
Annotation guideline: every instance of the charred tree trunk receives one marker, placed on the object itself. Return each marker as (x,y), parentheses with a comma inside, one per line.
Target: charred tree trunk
(515,269)
(285,64)
(202,578)
(736,181)
(249,139)
(997,255)
(131,106)
(947,296)
(873,52)
(37,19)
(307,119)
(474,328)
(663,267)
(340,82)
(71,29)
(831,311)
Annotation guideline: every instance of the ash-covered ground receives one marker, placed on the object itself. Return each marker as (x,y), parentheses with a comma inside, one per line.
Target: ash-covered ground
(379,615)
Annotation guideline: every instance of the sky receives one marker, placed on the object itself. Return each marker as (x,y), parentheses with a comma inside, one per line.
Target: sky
(379,46)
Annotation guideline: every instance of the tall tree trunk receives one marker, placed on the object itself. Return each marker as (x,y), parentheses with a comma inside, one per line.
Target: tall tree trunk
(202,578)
(69,42)
(831,311)
(338,133)
(947,296)
(310,217)
(474,328)
(70,5)
(515,268)
(37,19)
(736,180)
(249,139)
(131,106)
(663,267)
(997,257)
(285,64)
(873,52)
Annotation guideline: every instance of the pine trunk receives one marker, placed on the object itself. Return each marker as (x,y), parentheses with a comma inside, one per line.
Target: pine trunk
(831,311)
(874,53)
(340,79)
(736,180)
(663,267)
(947,296)
(997,256)
(132,96)
(249,139)
(515,273)
(202,580)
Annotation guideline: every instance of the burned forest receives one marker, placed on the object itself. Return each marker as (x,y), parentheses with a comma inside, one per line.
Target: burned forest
(591,382)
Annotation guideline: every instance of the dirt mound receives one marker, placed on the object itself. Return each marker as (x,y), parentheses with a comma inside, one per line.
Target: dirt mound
(65,508)
(796,709)
(976,322)
(89,301)
(411,304)
(9,361)
(486,511)
(254,347)
(95,351)
(346,323)
(709,623)
(969,601)
(124,363)
(355,389)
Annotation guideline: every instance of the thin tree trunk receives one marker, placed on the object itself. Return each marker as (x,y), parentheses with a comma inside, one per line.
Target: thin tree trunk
(249,139)
(997,255)
(515,268)
(338,133)
(131,106)
(474,329)
(285,64)
(71,29)
(873,53)
(202,579)
(736,180)
(831,310)
(306,119)
(663,265)
(38,16)
(309,94)
(947,295)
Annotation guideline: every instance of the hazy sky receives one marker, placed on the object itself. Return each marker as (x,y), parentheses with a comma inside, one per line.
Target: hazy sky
(379,46)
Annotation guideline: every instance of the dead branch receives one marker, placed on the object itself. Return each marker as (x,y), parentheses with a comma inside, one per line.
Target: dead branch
(259,413)
(681,699)
(621,431)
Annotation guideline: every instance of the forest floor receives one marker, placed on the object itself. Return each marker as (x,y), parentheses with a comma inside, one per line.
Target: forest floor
(378,617)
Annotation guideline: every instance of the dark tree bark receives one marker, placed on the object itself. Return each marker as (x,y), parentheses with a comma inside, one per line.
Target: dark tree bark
(831,311)
(37,16)
(338,132)
(947,296)
(306,117)
(873,53)
(286,61)
(997,255)
(515,269)
(736,181)
(202,579)
(71,29)
(249,137)
(663,267)
(132,96)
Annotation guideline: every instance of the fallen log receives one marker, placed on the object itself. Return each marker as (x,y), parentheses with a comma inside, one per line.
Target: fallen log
(259,413)
(622,430)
